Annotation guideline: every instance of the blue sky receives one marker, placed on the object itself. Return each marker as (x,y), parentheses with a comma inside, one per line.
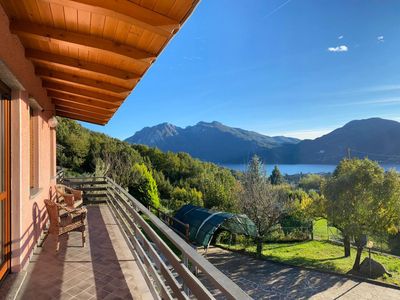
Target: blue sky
(298,68)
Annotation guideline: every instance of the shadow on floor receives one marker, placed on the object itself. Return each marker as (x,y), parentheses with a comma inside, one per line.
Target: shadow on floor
(108,275)
(267,280)
(103,269)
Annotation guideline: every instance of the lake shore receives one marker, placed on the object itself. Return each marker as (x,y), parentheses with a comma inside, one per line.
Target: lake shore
(294,169)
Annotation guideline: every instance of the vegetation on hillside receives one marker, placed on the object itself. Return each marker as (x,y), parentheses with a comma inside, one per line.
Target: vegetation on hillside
(149,174)
(360,199)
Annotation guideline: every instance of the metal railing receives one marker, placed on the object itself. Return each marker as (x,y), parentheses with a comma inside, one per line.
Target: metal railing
(168,275)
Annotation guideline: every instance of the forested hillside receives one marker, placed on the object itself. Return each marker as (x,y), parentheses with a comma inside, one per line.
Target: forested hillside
(148,173)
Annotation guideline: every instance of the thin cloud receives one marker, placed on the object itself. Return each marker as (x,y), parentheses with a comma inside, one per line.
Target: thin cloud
(277,9)
(380,38)
(376,102)
(340,37)
(386,101)
(382,88)
(341,48)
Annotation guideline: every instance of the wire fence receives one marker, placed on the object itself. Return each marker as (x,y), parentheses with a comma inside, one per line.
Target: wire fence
(322,231)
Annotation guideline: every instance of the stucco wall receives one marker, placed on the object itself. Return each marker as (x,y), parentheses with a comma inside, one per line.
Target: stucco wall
(27,207)
(27,210)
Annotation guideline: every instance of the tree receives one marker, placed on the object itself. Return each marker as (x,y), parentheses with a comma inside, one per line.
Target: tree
(181,196)
(73,144)
(261,201)
(307,206)
(276,176)
(362,200)
(143,185)
(311,182)
(164,186)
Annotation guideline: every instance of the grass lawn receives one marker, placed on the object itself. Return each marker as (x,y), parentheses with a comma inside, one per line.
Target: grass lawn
(320,230)
(321,255)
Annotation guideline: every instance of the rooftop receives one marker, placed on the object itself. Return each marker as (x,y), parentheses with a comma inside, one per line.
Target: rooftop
(91,54)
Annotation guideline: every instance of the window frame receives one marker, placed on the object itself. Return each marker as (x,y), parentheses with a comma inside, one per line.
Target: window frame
(34,161)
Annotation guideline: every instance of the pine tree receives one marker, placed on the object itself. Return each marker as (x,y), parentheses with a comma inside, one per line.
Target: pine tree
(276,176)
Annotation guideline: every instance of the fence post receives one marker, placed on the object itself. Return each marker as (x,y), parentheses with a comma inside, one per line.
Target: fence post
(327,230)
(187,233)
(312,230)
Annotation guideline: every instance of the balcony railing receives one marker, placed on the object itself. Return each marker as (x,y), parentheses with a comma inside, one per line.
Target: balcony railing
(168,275)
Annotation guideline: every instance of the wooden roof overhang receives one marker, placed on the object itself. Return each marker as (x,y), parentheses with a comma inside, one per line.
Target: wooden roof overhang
(90,54)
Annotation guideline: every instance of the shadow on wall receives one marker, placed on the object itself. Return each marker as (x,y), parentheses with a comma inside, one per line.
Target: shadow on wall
(45,277)
(32,234)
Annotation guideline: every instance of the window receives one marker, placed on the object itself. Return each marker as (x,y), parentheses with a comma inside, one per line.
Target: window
(33,148)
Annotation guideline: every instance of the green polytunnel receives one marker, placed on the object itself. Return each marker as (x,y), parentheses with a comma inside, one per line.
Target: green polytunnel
(203,223)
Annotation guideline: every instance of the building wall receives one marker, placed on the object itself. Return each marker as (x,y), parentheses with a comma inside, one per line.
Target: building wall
(27,207)
(28,213)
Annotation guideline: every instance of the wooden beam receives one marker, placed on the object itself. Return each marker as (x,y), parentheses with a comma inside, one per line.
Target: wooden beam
(126,11)
(60,60)
(80,117)
(82,106)
(51,75)
(51,34)
(83,112)
(82,100)
(82,92)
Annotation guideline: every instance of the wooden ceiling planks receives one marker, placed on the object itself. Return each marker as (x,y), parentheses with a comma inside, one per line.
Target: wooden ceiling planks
(71,89)
(81,117)
(128,12)
(91,53)
(61,36)
(79,110)
(80,64)
(82,106)
(51,75)
(83,100)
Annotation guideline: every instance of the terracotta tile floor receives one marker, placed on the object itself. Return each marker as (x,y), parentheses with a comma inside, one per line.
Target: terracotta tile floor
(103,269)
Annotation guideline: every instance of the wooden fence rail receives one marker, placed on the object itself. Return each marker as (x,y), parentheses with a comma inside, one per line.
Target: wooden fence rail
(168,275)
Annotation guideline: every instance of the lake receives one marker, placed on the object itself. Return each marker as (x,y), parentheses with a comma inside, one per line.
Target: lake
(301,168)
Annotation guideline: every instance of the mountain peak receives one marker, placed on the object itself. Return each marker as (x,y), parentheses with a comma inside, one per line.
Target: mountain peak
(211,141)
(213,123)
(152,136)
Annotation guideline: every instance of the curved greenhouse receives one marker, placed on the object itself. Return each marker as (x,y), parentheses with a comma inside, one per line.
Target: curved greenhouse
(203,223)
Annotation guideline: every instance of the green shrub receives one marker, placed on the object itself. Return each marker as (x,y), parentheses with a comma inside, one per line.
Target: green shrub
(143,186)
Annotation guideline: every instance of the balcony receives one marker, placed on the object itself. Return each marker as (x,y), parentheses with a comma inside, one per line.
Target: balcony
(124,257)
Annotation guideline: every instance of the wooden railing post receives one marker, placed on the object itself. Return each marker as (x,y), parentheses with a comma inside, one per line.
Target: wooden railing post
(185,287)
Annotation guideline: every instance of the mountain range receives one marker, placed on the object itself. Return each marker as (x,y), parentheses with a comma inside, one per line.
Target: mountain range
(379,139)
